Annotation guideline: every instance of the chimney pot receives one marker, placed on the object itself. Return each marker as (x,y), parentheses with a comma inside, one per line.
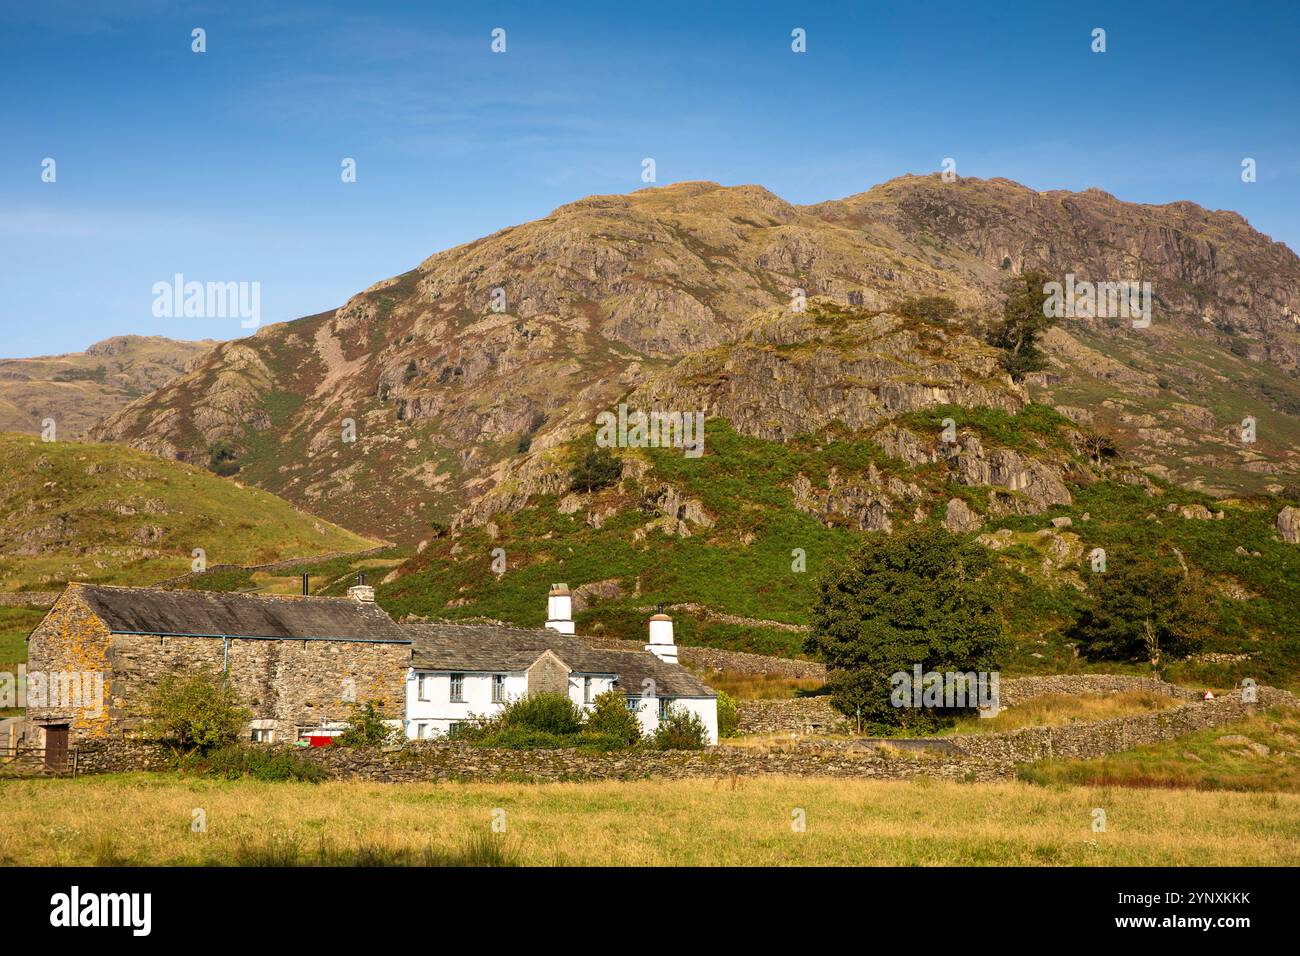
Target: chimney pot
(559,609)
(661,643)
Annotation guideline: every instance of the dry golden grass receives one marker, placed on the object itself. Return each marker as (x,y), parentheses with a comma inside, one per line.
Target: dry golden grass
(744,686)
(146,819)
(1054,710)
(1259,754)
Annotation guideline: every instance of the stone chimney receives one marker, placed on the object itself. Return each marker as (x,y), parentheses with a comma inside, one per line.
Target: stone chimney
(362,592)
(559,609)
(661,637)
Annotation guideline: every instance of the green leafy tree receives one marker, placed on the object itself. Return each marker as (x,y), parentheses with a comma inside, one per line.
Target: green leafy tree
(610,717)
(1142,609)
(194,712)
(1023,324)
(598,468)
(921,596)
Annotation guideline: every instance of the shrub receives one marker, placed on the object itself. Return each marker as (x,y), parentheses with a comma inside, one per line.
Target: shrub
(929,308)
(598,468)
(549,713)
(681,730)
(221,459)
(366,727)
(194,712)
(235,761)
(610,717)
(728,715)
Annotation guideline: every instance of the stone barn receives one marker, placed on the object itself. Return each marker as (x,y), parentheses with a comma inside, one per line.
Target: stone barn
(299,663)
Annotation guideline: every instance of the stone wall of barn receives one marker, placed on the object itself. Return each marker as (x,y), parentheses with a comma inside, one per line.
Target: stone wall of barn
(70,642)
(297,684)
(294,683)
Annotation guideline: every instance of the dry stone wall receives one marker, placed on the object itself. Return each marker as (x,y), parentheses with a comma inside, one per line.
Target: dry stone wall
(801,715)
(442,761)
(712,658)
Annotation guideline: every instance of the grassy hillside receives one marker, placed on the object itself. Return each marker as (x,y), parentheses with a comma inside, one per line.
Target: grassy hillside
(143,819)
(741,564)
(110,514)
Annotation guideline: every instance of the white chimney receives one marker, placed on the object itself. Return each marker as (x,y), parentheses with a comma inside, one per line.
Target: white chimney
(661,638)
(559,609)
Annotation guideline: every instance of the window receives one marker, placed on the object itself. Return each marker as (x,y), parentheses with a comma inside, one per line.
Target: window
(458,688)
(454,727)
(633,704)
(586,690)
(665,705)
(422,691)
(498,688)
(260,736)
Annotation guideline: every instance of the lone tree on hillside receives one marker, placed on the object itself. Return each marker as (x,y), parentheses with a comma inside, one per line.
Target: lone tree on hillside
(921,596)
(1142,609)
(598,468)
(1023,324)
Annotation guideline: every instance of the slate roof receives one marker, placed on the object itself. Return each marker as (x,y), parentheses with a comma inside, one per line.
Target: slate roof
(249,616)
(442,646)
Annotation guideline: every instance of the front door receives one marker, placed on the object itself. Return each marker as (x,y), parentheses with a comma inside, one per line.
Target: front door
(56,747)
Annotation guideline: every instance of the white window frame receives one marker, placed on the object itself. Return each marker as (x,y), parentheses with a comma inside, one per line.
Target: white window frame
(456,689)
(586,690)
(498,688)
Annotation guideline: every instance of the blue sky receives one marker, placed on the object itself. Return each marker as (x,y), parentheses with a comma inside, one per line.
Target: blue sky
(224,166)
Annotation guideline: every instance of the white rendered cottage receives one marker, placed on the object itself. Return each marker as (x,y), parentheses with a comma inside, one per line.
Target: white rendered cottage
(460,671)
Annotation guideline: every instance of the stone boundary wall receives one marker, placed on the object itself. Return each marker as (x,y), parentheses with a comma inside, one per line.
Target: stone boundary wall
(1017,690)
(712,658)
(1083,741)
(273,566)
(979,757)
(799,715)
(28,598)
(441,761)
(802,715)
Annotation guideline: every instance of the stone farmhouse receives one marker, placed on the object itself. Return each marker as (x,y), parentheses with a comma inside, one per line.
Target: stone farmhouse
(301,663)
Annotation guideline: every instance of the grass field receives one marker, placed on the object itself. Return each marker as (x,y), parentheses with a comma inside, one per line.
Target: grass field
(146,819)
(1260,754)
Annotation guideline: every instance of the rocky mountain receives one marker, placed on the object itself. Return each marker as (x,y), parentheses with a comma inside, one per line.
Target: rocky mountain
(467,380)
(80,388)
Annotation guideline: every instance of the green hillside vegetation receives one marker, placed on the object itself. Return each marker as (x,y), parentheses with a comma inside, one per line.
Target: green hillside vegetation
(112,515)
(742,564)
